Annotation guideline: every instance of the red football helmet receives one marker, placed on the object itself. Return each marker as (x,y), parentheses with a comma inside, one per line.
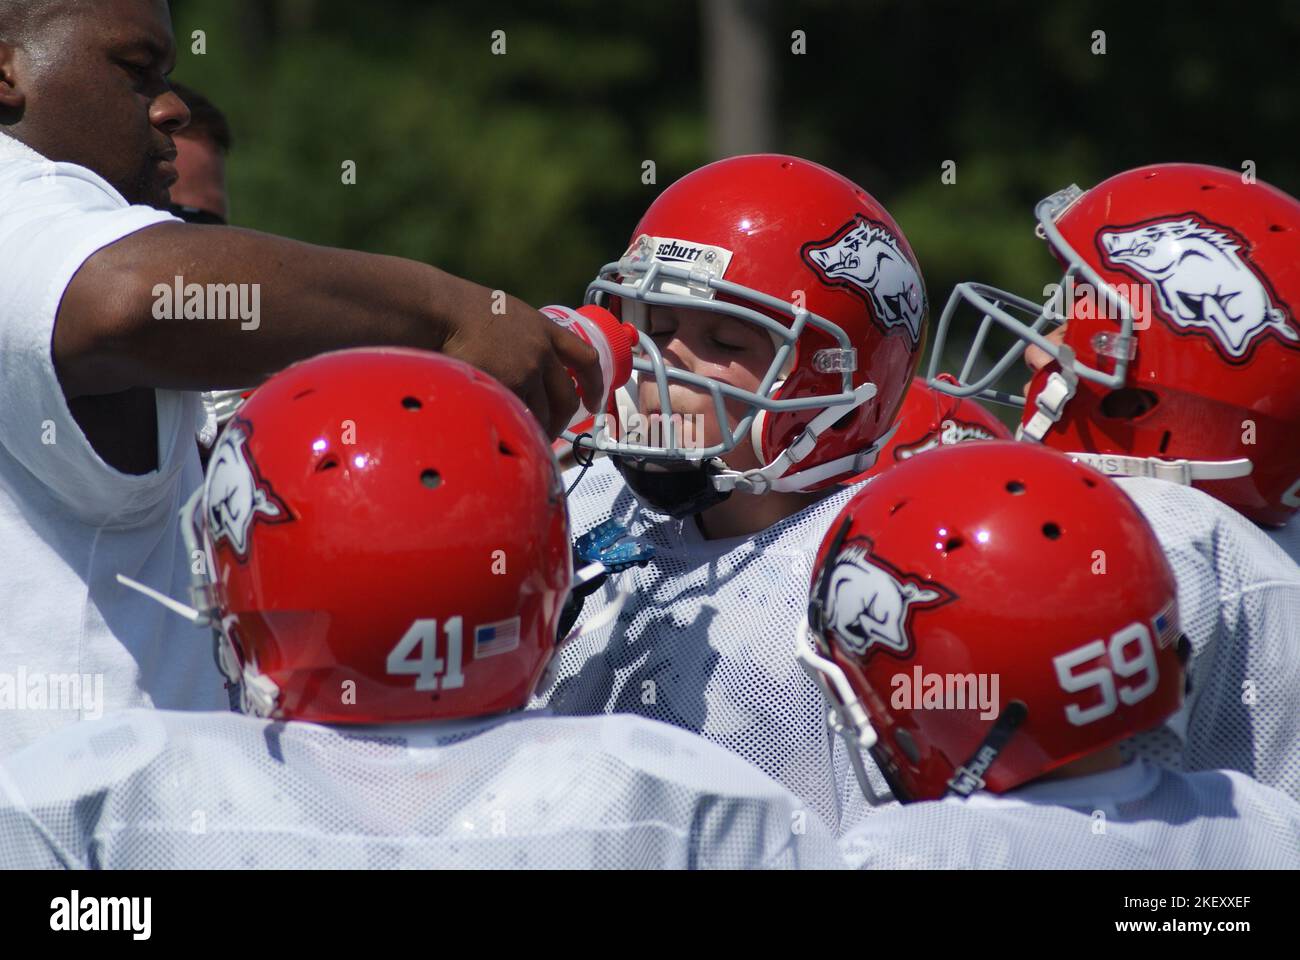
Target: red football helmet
(931,419)
(386,540)
(814,260)
(989,612)
(1181,357)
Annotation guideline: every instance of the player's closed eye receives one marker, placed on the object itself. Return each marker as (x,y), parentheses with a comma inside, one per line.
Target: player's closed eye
(140,71)
(727,346)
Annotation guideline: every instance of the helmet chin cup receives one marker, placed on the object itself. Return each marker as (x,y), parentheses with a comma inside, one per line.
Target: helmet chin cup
(679,490)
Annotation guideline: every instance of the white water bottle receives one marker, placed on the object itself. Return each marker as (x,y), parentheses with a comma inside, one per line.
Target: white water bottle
(611,340)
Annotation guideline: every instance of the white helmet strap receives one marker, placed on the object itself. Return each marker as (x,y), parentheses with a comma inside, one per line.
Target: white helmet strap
(1184,472)
(777,476)
(1051,400)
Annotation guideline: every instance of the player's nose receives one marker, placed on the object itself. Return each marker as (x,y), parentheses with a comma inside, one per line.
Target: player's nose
(679,354)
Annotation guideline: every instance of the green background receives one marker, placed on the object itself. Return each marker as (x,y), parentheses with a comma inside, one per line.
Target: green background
(523,171)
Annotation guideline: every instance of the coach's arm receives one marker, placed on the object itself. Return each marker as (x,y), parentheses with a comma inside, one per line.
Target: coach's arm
(312,299)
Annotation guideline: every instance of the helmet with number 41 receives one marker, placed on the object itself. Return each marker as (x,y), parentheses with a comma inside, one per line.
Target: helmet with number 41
(386,541)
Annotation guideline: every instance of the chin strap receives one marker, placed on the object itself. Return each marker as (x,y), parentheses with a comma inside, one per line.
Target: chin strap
(1057,392)
(258,694)
(969,777)
(1184,472)
(846,717)
(1051,400)
(776,476)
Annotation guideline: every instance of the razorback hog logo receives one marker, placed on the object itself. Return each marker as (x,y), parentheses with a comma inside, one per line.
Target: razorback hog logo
(870,604)
(238,496)
(865,257)
(1201,280)
(952,431)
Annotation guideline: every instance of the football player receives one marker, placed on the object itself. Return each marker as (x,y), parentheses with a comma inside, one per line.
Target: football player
(780,314)
(384,592)
(1170,354)
(993,650)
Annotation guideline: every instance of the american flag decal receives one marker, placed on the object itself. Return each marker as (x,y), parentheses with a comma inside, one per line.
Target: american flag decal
(493,638)
(1166,624)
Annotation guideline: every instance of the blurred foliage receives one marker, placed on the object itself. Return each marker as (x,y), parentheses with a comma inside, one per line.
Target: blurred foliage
(523,171)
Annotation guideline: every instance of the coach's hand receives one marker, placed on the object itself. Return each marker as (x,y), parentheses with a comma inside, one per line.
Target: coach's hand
(526,352)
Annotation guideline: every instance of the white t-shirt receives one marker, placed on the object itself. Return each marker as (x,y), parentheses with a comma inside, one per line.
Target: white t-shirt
(1239,604)
(706,641)
(156,789)
(1138,817)
(73,642)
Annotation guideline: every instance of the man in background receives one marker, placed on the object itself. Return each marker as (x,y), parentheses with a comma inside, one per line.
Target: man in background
(199,196)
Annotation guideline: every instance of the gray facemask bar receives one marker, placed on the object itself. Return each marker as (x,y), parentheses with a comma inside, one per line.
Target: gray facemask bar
(650,360)
(990,302)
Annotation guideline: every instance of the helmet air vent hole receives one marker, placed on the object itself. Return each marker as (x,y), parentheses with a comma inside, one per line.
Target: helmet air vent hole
(1015,487)
(1207,186)
(1276,228)
(431,479)
(304,393)
(1128,403)
(327,463)
(1051,531)
(505,449)
(1164,442)
(896,507)
(411,403)
(1089,482)
(954,543)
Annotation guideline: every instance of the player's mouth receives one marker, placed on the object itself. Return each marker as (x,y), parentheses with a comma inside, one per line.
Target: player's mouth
(165,164)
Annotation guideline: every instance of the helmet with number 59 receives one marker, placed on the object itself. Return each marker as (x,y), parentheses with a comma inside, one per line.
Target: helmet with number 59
(386,541)
(982,637)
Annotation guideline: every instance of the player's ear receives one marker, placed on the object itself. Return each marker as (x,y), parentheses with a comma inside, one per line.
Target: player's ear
(12,99)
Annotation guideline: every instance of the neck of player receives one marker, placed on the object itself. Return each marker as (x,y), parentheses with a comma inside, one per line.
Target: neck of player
(745,514)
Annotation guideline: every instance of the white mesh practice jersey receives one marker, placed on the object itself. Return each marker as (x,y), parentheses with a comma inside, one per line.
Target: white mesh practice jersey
(1288,538)
(1139,817)
(705,640)
(1239,603)
(160,789)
